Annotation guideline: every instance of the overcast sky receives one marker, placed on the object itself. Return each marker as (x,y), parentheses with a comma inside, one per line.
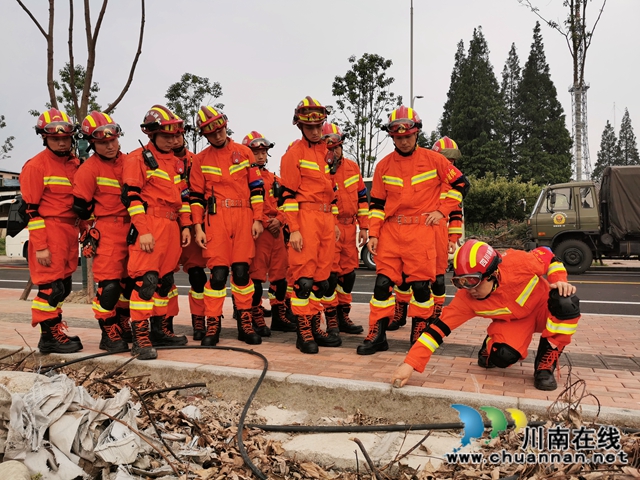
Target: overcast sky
(269,54)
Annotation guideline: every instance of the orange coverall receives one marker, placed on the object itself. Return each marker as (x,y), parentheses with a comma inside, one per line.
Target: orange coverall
(101,181)
(46,182)
(353,207)
(161,191)
(310,189)
(404,189)
(226,173)
(517,308)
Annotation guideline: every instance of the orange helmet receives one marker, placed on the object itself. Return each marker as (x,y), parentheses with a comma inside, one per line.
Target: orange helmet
(448,148)
(403,121)
(310,112)
(255,140)
(332,135)
(210,119)
(98,126)
(56,123)
(160,119)
(472,262)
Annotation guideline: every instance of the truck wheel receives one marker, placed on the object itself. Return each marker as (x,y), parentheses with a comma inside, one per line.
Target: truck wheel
(367,258)
(576,256)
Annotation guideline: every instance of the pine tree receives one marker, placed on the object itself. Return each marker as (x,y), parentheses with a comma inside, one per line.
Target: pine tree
(627,142)
(511,74)
(474,111)
(609,153)
(445,122)
(544,152)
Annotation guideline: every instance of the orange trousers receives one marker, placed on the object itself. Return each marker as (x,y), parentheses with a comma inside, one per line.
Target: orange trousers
(345,260)
(192,257)
(442,254)
(270,258)
(62,242)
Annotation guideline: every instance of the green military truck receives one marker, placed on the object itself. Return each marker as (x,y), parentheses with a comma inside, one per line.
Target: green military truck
(580,223)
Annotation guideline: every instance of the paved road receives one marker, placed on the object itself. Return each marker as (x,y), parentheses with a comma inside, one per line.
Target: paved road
(610,293)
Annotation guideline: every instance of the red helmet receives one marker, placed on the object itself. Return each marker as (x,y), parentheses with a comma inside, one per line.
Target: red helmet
(472,262)
(210,119)
(403,121)
(99,126)
(160,119)
(332,135)
(255,140)
(56,123)
(310,112)
(448,148)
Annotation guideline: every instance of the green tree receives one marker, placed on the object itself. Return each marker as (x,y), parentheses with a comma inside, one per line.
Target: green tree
(609,153)
(476,111)
(7,146)
(544,153)
(185,97)
(364,101)
(456,73)
(64,93)
(511,75)
(627,142)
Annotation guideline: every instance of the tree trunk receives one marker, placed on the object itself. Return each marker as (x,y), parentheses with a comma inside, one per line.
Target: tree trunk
(27,290)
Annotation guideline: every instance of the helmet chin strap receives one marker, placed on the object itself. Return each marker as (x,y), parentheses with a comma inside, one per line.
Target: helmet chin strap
(407,154)
(66,153)
(306,138)
(180,152)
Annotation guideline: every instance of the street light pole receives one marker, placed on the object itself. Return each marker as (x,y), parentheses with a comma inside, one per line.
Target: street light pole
(411,59)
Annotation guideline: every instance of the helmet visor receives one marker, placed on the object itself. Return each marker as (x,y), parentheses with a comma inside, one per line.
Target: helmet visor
(260,143)
(401,126)
(58,128)
(216,124)
(471,280)
(106,132)
(312,116)
(333,139)
(175,127)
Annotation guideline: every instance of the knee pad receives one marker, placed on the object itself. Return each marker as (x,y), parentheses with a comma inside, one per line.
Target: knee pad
(166,282)
(404,286)
(67,286)
(257,293)
(302,287)
(57,292)
(563,308)
(382,287)
(128,286)
(438,287)
(110,294)
(421,291)
(240,274)
(320,288)
(197,279)
(149,285)
(332,283)
(503,355)
(348,281)
(280,289)
(219,276)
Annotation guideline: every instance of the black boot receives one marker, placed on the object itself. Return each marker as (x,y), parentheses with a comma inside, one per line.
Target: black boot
(161,336)
(142,347)
(344,322)
(546,362)
(53,339)
(257,316)
(437,310)
(483,355)
(322,338)
(73,338)
(124,321)
(376,340)
(199,328)
(399,316)
(289,313)
(418,326)
(111,339)
(305,341)
(331,317)
(246,333)
(212,336)
(279,320)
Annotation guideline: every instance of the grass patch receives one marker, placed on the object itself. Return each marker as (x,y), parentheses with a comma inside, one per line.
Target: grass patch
(3,250)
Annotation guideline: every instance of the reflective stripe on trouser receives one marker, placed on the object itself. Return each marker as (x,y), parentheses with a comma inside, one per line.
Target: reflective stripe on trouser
(196,303)
(559,332)
(420,309)
(381,308)
(173,308)
(343,298)
(438,299)
(40,308)
(331,301)
(140,309)
(402,295)
(214,299)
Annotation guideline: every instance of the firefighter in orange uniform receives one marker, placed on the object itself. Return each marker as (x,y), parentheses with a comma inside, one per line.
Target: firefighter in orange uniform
(227,199)
(271,252)
(161,221)
(353,207)
(405,210)
(97,191)
(309,207)
(46,183)
(511,291)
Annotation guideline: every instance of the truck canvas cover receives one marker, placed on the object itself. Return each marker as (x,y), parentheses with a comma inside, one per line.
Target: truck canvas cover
(621,192)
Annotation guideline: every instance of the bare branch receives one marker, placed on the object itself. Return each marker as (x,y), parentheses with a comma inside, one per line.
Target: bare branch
(595,25)
(135,61)
(72,68)
(551,24)
(32,18)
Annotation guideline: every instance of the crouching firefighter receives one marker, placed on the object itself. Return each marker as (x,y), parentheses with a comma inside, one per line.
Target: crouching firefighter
(511,291)
(46,182)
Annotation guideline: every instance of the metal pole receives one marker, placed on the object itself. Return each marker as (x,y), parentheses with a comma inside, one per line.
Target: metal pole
(411,59)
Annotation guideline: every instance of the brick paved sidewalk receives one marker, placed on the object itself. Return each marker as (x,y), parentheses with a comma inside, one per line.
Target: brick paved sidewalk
(605,353)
